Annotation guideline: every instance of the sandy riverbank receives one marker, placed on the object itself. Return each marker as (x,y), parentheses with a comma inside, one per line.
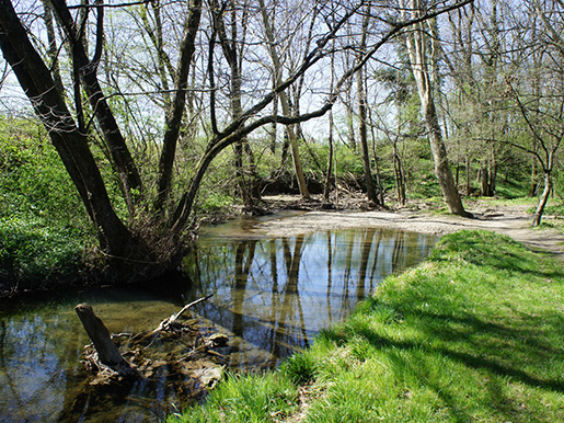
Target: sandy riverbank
(508,220)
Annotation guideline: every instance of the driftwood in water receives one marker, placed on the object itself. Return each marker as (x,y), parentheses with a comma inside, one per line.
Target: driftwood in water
(180,354)
(108,365)
(167,323)
(108,354)
(107,350)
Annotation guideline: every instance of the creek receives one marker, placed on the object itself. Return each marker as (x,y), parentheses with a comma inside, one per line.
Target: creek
(270,296)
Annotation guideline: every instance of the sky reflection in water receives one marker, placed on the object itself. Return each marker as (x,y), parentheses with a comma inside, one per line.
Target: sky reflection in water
(271,295)
(277,294)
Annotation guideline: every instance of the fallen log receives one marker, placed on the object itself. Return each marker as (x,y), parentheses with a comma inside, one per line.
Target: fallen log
(170,324)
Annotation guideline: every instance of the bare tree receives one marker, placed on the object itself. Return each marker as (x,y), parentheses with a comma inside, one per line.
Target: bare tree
(152,240)
(284,101)
(541,104)
(233,45)
(373,199)
(416,41)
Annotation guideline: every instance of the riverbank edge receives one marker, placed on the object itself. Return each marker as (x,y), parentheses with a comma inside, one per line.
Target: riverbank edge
(81,269)
(470,334)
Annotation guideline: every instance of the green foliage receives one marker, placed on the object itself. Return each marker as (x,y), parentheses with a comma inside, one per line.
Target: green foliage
(215,202)
(43,226)
(315,158)
(30,249)
(34,182)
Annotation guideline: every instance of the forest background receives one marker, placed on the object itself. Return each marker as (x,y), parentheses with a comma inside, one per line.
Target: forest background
(147,115)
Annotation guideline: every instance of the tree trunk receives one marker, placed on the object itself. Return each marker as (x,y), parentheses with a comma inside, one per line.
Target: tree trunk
(349,112)
(399,175)
(70,143)
(533,186)
(52,50)
(329,170)
(543,199)
(284,102)
(127,170)
(484,181)
(416,48)
(363,116)
(105,347)
(442,167)
(231,51)
(468,174)
(174,118)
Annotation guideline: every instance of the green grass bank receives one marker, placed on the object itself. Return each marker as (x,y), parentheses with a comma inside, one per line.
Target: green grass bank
(473,334)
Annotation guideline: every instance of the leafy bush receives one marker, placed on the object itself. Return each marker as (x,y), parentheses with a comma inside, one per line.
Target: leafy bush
(33,180)
(43,225)
(31,250)
(214,202)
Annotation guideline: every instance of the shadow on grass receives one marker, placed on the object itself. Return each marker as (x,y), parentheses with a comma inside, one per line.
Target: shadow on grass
(483,248)
(486,360)
(508,352)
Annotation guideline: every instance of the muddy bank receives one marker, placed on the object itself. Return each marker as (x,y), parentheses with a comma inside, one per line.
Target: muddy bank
(512,221)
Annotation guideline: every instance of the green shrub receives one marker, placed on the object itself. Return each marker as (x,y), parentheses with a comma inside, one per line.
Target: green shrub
(30,250)
(43,225)
(214,202)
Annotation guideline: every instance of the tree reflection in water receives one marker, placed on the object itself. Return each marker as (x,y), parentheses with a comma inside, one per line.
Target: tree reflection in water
(274,295)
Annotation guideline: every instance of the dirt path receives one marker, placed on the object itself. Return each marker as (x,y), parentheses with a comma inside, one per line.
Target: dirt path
(512,221)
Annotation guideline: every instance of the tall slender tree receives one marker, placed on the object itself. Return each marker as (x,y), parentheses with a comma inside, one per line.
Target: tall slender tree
(416,42)
(373,198)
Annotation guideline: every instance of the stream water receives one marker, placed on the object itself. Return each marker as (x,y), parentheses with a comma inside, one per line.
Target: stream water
(271,296)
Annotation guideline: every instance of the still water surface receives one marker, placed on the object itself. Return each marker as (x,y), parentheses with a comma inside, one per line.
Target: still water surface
(270,295)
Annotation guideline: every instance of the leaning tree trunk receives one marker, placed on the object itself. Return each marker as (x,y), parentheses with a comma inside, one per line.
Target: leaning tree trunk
(415,43)
(108,353)
(87,69)
(548,183)
(70,143)
(442,167)
(284,102)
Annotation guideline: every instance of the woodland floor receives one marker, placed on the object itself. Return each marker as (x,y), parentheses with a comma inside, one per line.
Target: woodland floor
(510,220)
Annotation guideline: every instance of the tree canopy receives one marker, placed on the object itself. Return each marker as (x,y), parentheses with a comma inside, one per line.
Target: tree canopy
(156,90)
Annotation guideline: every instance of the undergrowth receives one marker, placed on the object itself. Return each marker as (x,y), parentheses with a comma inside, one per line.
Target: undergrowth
(43,227)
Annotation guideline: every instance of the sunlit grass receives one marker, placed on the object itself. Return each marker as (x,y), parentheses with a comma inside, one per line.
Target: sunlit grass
(474,334)
(246,399)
